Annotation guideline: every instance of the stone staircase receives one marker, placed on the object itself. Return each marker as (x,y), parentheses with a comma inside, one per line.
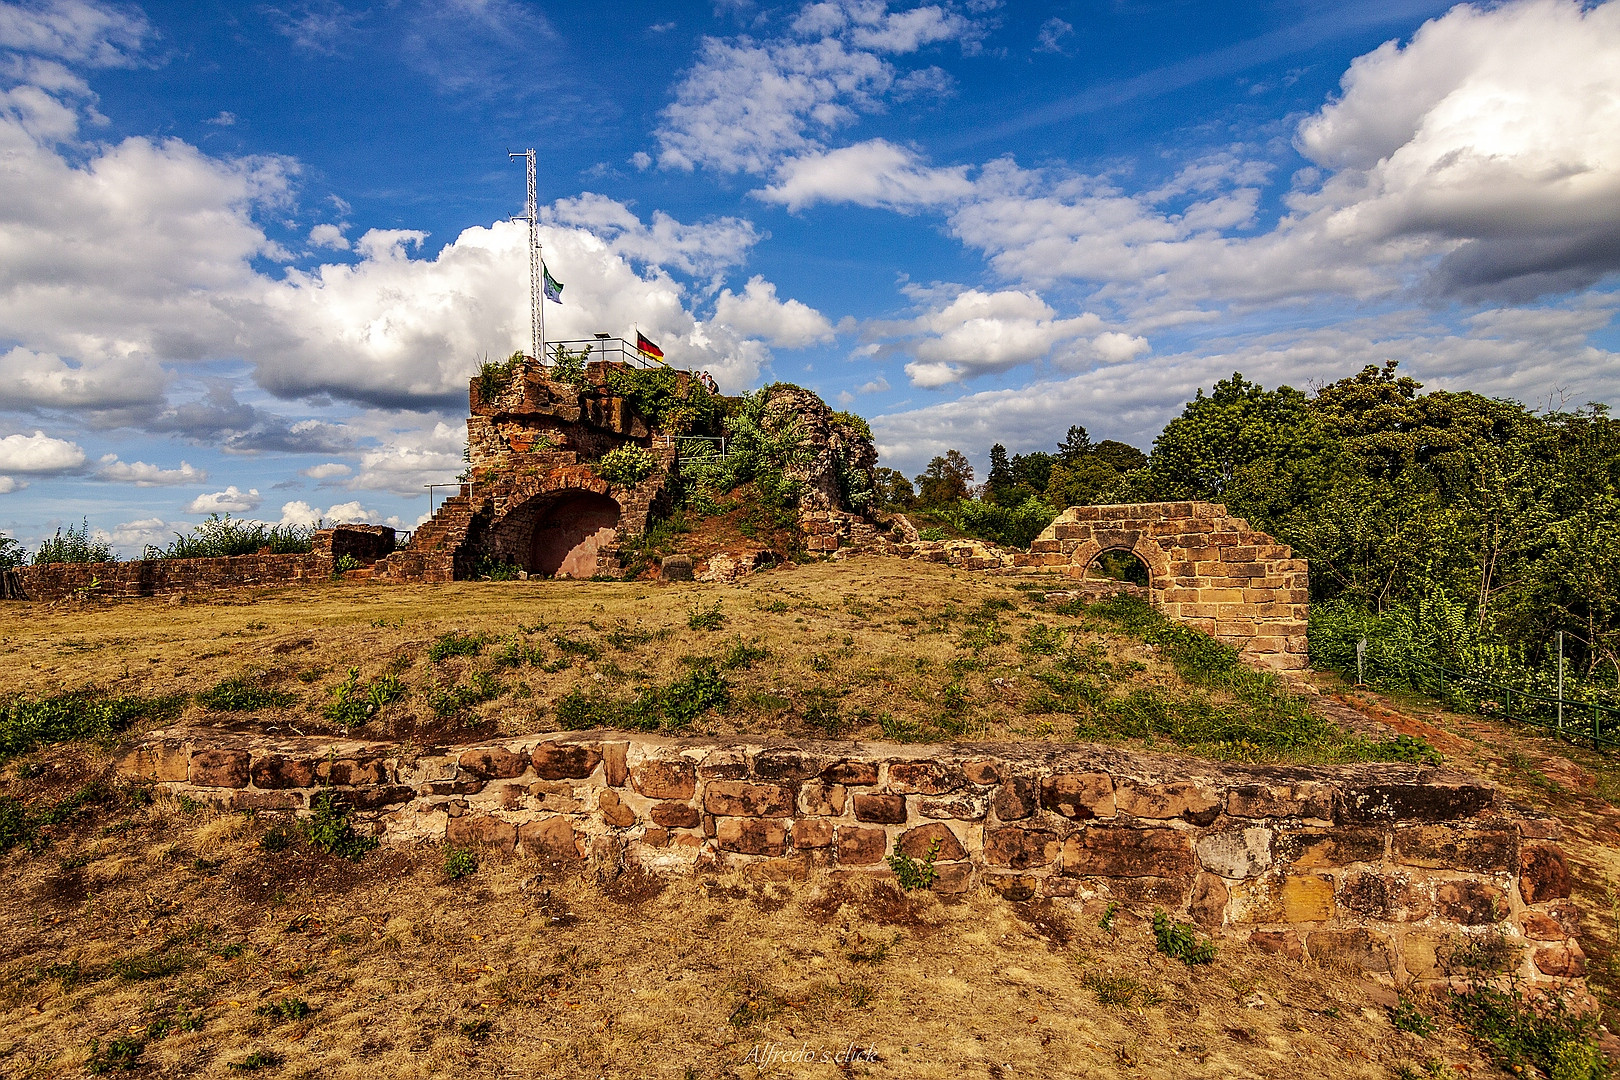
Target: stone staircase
(431,554)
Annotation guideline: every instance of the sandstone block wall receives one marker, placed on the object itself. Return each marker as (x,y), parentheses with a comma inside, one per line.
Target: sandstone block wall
(1387,867)
(1205,568)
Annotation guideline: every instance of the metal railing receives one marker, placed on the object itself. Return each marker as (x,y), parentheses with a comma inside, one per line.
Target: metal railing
(679,443)
(1564,718)
(604,349)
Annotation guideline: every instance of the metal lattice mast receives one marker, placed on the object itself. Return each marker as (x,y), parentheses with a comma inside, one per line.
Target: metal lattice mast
(537,298)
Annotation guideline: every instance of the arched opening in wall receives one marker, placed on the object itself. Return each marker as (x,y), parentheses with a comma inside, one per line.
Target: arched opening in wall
(1118,564)
(568,533)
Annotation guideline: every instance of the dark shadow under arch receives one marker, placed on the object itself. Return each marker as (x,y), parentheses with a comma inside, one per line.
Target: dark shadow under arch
(1120,564)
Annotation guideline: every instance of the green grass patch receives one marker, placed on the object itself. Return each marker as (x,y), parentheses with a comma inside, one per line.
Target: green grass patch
(241,694)
(456,643)
(672,706)
(1524,1037)
(27,723)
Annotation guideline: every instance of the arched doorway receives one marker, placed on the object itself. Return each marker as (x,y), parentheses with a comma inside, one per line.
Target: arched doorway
(569,531)
(1119,564)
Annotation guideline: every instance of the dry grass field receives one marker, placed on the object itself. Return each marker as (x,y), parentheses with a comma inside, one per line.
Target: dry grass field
(157,938)
(866,649)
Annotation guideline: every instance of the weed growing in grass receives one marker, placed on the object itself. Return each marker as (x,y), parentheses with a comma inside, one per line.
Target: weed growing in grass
(916,873)
(240,694)
(121,1055)
(1404,1015)
(481,686)
(821,713)
(706,618)
(22,825)
(1106,923)
(1041,640)
(1120,991)
(1178,940)
(774,607)
(330,829)
(343,564)
(456,643)
(459,863)
(572,647)
(259,1059)
(353,704)
(742,654)
(154,964)
(1520,1034)
(285,1010)
(673,706)
(26,723)
(517,652)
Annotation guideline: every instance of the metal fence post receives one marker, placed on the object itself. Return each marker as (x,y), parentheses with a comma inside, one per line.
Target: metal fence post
(1560,684)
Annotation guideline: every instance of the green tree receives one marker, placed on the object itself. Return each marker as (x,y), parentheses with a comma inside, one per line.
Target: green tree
(891,489)
(946,479)
(1075,445)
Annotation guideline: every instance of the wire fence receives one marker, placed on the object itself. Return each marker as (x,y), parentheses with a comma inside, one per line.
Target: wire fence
(1562,717)
(610,349)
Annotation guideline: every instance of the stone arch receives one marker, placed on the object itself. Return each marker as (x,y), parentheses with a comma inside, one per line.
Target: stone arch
(1135,541)
(566,532)
(1206,567)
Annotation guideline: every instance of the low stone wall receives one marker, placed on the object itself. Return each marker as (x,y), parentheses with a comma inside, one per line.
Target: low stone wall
(163,577)
(1386,867)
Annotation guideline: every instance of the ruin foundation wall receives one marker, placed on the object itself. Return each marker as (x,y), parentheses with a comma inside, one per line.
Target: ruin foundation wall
(1385,867)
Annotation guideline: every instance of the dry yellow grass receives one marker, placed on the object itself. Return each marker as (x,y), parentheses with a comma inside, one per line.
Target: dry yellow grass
(847,644)
(522,970)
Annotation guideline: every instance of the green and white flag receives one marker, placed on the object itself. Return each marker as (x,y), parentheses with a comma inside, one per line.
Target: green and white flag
(553,286)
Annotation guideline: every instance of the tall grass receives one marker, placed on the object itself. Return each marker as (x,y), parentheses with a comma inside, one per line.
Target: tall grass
(224,535)
(74,545)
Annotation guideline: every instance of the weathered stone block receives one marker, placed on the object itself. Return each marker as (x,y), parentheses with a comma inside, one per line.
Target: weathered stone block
(1015,800)
(1543,874)
(493,763)
(1081,796)
(348,772)
(1565,961)
(737,798)
(1471,903)
(1539,927)
(861,847)
(1302,898)
(1188,800)
(923,778)
(1015,887)
(1364,949)
(614,769)
(1391,897)
(851,773)
(880,809)
(1344,846)
(953,878)
(1208,903)
(219,768)
(1126,852)
(614,812)
(1020,849)
(1441,801)
(277,771)
(564,761)
(786,765)
(481,830)
(820,799)
(665,779)
(1239,853)
(808,833)
(916,842)
(267,800)
(983,773)
(963,807)
(751,835)
(551,838)
(1481,851)
(675,815)
(162,762)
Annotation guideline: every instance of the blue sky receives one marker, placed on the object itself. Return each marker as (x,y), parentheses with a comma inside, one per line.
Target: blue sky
(252,253)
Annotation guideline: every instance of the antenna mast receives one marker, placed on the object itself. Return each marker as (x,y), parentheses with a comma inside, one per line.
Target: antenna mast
(537,300)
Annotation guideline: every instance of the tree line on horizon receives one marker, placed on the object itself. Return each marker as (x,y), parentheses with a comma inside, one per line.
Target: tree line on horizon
(1445,526)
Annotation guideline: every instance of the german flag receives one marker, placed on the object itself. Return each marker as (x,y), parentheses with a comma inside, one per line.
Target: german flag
(646,347)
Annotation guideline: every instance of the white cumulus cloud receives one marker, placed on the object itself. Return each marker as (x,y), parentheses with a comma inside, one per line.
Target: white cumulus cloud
(40,454)
(141,474)
(757,313)
(327,471)
(230,501)
(873,173)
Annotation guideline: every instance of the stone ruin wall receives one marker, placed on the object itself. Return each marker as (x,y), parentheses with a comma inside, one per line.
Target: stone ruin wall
(1384,867)
(167,577)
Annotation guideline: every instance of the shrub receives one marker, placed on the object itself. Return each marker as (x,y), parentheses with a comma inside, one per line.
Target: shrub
(330,829)
(456,643)
(1179,941)
(75,545)
(12,554)
(285,1010)
(223,535)
(239,694)
(673,706)
(495,376)
(481,686)
(122,1054)
(492,569)
(1006,525)
(626,466)
(706,618)
(459,863)
(916,873)
(933,533)
(78,714)
(1520,1034)
(353,704)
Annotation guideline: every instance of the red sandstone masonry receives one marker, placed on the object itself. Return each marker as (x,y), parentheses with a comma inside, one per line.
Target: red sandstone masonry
(1384,866)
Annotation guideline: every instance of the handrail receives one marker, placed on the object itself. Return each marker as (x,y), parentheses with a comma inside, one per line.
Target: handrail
(1566,718)
(611,350)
